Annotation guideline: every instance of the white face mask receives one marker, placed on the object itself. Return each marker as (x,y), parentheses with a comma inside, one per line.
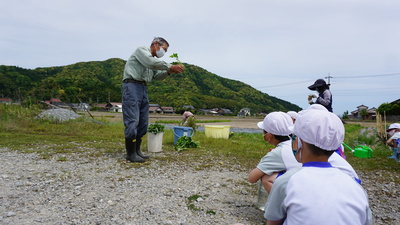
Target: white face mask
(298,143)
(391,132)
(299,150)
(160,53)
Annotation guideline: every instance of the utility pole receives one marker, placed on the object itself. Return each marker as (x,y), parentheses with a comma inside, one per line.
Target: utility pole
(329,78)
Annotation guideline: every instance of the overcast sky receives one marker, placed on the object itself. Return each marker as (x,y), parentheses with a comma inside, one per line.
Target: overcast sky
(278,47)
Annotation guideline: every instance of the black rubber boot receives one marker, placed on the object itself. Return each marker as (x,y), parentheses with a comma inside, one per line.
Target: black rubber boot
(138,143)
(131,154)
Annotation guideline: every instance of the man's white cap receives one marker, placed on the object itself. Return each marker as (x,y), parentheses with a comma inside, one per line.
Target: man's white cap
(277,123)
(292,114)
(319,127)
(393,126)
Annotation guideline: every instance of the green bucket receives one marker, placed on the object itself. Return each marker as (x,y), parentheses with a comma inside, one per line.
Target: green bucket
(362,151)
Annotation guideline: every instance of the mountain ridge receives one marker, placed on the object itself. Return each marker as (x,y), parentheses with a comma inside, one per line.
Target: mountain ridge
(100,82)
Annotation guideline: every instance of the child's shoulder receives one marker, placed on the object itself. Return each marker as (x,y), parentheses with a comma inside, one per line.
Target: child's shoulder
(396,135)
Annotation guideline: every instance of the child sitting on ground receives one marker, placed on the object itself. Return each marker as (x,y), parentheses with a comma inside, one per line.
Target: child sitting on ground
(277,128)
(393,141)
(308,194)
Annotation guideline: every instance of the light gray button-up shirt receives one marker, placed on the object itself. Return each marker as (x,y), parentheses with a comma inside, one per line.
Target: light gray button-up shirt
(142,66)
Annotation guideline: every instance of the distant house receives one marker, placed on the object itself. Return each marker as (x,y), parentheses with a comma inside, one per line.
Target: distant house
(114,107)
(372,113)
(208,111)
(356,114)
(203,111)
(83,107)
(168,109)
(6,101)
(101,106)
(244,112)
(54,101)
(224,111)
(58,103)
(155,109)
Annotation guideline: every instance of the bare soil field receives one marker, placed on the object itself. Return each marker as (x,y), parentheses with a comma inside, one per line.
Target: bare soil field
(237,122)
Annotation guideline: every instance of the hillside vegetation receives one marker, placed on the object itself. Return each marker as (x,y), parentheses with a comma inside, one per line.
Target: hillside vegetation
(100,82)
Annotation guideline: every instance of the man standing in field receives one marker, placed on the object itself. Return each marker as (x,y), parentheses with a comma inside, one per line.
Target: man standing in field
(142,67)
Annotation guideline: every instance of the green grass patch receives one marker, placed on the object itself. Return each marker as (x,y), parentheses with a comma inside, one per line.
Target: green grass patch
(82,137)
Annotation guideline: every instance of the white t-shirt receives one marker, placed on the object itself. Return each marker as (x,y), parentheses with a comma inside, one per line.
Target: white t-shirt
(395,136)
(316,194)
(337,161)
(282,159)
(279,159)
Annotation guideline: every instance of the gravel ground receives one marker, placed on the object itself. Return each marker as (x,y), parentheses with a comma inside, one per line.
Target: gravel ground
(111,191)
(107,190)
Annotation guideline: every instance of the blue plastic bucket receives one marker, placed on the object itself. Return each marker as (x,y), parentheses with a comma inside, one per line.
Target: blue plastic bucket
(182,131)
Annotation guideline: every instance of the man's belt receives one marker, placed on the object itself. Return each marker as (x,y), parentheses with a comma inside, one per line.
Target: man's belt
(135,81)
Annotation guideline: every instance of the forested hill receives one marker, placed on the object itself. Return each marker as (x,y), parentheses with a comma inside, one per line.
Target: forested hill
(100,82)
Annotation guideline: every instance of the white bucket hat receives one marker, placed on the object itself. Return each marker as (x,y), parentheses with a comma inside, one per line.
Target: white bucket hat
(277,123)
(292,114)
(393,126)
(319,127)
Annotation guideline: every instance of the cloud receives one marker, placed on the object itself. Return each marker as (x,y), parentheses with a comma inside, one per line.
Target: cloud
(261,43)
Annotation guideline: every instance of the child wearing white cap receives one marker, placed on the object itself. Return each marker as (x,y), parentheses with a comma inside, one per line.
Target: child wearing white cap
(277,126)
(308,194)
(293,115)
(337,160)
(394,140)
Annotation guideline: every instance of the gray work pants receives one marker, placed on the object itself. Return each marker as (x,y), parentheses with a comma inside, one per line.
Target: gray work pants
(135,110)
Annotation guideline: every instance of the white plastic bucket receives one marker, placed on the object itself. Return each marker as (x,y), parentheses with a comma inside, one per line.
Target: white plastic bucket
(154,142)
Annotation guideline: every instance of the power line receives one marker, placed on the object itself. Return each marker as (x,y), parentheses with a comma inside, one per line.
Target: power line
(367,94)
(394,89)
(280,85)
(374,75)
(329,79)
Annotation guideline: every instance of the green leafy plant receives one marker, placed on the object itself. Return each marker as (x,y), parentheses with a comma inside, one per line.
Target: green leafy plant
(156,128)
(192,206)
(185,142)
(176,57)
(211,212)
(190,122)
(194,198)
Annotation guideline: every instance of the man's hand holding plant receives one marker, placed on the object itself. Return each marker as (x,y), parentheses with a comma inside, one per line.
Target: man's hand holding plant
(177,66)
